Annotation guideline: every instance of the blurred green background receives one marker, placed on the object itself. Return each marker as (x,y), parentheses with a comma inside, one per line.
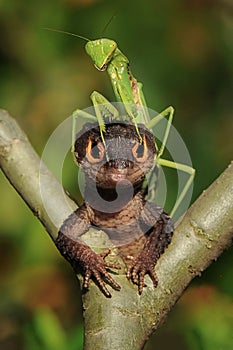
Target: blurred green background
(182,51)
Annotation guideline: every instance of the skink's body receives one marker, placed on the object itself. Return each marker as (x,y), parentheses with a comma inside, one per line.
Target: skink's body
(115,203)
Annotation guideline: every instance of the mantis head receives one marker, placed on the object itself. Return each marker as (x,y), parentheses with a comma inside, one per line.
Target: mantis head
(101,52)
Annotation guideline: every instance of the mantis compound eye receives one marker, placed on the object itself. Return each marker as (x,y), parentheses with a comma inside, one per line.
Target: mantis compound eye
(140,150)
(94,151)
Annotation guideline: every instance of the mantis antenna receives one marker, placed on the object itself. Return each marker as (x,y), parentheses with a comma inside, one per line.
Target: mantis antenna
(107,24)
(68,33)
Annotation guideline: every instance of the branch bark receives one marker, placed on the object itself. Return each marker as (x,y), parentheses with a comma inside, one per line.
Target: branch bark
(126,320)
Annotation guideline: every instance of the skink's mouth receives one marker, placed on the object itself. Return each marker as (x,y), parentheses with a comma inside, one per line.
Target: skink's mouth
(118,175)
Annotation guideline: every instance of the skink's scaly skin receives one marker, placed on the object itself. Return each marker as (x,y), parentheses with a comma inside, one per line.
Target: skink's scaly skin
(114,202)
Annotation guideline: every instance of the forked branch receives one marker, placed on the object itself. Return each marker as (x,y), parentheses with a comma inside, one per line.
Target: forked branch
(126,320)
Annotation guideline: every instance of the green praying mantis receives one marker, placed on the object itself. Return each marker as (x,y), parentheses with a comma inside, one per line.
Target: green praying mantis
(106,56)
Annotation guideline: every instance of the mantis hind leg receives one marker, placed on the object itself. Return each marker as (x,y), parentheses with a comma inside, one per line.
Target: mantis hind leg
(170,112)
(153,177)
(168,163)
(182,167)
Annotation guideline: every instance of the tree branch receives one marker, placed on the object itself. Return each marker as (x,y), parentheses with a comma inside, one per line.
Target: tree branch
(126,320)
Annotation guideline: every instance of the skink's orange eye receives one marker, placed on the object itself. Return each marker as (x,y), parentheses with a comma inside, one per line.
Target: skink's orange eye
(94,151)
(140,150)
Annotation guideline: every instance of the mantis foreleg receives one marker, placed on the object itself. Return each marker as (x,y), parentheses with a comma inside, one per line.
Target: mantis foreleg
(104,110)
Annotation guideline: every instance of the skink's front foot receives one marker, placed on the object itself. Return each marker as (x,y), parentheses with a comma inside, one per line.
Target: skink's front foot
(142,265)
(94,266)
